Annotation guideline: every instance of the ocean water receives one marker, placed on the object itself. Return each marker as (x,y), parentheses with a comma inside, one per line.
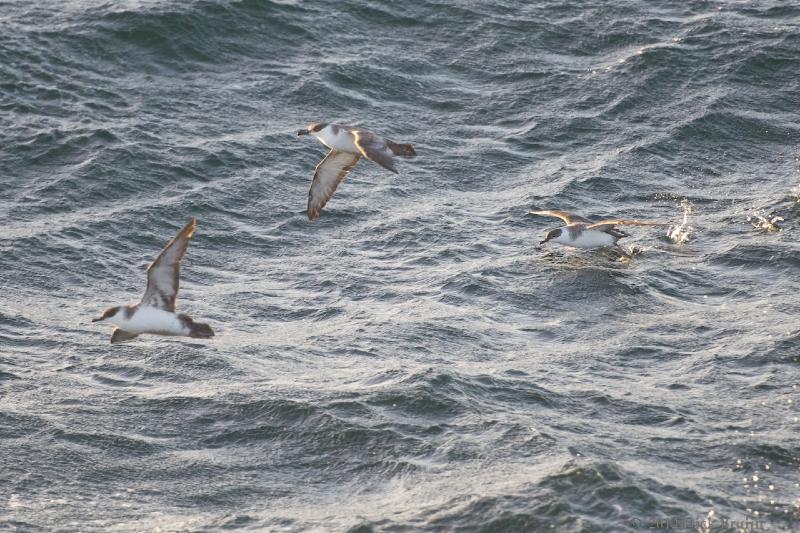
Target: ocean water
(413,360)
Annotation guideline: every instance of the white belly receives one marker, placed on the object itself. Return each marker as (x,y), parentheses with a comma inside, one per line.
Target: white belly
(342,141)
(148,319)
(587,239)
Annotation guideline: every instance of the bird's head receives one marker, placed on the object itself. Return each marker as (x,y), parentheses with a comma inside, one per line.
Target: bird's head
(111,312)
(551,234)
(312,129)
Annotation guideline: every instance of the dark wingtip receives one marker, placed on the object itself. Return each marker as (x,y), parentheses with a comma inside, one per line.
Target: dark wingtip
(189,227)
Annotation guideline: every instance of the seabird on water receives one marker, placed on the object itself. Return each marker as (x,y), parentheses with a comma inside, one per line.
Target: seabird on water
(347,146)
(155,313)
(580,232)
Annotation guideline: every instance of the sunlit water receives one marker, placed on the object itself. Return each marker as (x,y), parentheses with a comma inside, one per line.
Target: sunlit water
(413,359)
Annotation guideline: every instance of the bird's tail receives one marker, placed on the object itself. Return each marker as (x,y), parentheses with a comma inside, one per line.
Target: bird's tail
(201,331)
(196,329)
(406,150)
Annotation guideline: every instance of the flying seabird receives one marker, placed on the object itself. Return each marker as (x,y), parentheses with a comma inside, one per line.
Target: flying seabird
(580,232)
(347,146)
(155,313)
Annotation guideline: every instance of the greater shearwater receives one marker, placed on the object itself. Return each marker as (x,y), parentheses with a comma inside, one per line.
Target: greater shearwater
(155,313)
(580,232)
(347,146)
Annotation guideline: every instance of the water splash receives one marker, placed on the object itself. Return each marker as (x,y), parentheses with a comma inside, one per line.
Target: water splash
(681,233)
(767,217)
(795,195)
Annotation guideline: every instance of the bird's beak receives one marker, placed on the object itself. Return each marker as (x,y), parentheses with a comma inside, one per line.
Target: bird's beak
(97,319)
(544,241)
(302,132)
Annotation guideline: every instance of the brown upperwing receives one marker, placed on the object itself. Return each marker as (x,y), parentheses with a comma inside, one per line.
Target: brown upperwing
(600,225)
(566,216)
(374,149)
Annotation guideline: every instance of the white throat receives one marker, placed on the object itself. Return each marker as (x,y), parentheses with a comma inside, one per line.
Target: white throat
(563,238)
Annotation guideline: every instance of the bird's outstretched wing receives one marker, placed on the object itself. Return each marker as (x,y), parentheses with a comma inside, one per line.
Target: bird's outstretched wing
(121,335)
(163,275)
(329,173)
(566,216)
(605,224)
(374,148)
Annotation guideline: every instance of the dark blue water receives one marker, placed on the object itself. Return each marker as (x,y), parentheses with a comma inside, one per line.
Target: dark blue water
(413,360)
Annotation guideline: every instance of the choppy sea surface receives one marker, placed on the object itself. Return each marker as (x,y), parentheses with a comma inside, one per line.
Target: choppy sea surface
(413,360)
